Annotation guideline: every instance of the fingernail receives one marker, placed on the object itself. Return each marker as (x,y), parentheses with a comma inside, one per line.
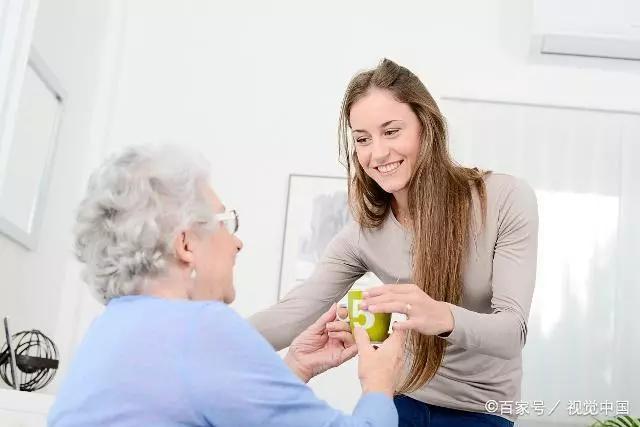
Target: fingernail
(363,305)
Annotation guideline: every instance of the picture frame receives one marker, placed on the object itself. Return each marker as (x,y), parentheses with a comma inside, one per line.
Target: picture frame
(317,209)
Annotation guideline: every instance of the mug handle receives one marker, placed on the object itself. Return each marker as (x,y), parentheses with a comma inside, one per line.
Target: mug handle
(339,306)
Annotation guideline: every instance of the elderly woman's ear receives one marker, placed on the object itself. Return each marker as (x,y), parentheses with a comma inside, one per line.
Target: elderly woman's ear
(183,245)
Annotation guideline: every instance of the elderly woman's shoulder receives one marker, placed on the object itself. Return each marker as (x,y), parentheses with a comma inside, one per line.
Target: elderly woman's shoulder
(217,308)
(217,320)
(213,310)
(220,327)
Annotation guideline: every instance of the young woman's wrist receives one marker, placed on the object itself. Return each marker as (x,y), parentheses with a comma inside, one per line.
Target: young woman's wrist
(448,321)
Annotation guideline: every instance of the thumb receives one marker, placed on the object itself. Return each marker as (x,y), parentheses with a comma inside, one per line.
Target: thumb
(399,336)
(348,353)
(362,339)
(395,342)
(327,316)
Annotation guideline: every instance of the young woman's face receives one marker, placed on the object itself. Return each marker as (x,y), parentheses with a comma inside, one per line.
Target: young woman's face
(387,139)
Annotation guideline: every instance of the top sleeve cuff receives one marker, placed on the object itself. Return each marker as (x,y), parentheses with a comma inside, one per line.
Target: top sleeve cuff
(378,408)
(461,321)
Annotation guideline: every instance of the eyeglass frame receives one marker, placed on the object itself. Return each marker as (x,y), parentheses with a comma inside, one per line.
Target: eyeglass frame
(226,216)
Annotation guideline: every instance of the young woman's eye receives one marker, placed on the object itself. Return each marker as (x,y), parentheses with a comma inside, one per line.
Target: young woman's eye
(362,140)
(391,132)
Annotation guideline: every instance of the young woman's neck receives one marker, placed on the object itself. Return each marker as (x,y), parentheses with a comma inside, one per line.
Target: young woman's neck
(400,205)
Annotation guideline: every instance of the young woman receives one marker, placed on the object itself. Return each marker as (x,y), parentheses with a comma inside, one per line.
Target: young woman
(456,245)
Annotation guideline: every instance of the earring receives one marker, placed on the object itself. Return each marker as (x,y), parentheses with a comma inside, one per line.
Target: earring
(193,274)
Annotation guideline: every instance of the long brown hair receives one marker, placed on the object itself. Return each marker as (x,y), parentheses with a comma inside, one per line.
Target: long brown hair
(439,197)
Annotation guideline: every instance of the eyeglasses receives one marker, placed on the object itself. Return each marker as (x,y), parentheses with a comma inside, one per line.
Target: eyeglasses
(229,220)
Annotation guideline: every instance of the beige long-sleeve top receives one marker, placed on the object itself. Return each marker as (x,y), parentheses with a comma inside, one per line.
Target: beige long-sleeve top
(483,359)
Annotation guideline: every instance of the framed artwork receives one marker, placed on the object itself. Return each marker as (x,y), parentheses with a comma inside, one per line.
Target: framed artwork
(317,210)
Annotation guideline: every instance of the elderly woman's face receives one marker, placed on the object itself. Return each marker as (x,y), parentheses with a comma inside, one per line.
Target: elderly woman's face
(214,258)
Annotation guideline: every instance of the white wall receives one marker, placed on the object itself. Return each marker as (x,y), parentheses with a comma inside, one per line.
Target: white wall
(41,289)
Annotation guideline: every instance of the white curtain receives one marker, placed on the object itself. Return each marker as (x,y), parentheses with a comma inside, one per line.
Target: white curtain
(583,344)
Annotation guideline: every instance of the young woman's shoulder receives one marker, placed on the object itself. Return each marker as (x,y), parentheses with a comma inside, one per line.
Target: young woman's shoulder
(500,183)
(504,190)
(498,180)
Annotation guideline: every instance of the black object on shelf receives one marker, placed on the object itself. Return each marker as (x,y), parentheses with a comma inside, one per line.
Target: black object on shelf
(28,359)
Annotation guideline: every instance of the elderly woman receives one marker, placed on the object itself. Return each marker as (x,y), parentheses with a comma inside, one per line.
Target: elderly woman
(159,248)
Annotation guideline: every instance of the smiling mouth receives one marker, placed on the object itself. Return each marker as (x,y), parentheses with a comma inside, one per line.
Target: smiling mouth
(389,168)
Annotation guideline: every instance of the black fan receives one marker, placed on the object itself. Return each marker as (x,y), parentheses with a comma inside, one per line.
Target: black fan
(28,360)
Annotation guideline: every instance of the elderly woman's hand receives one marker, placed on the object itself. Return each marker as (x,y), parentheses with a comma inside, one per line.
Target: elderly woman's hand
(314,351)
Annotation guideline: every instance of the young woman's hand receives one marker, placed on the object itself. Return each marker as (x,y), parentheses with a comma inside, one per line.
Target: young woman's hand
(424,314)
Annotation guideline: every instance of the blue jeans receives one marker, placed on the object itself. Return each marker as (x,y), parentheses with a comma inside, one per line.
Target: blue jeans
(414,413)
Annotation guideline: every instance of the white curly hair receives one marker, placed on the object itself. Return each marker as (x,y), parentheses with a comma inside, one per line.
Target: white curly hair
(136,203)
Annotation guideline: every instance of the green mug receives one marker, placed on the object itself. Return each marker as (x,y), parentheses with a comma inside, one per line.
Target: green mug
(376,324)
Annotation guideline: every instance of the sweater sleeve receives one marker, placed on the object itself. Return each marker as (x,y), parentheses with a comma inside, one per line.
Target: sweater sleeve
(340,267)
(234,378)
(503,332)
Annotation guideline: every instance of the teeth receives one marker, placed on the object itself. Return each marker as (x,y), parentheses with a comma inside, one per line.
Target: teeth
(388,168)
